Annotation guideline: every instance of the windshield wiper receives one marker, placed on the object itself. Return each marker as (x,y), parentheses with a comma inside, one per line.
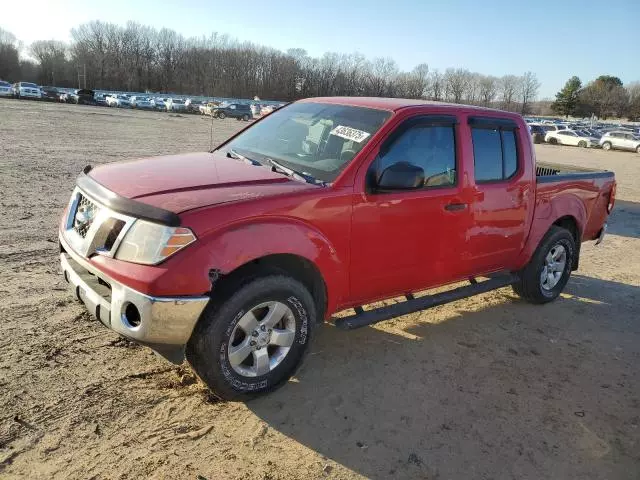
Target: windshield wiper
(275,166)
(231,153)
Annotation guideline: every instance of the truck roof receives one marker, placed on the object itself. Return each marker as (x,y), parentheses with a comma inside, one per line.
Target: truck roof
(393,104)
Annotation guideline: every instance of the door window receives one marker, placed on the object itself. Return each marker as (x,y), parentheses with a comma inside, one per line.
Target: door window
(495,150)
(430,147)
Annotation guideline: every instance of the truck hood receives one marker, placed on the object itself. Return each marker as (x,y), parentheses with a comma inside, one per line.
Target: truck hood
(183,182)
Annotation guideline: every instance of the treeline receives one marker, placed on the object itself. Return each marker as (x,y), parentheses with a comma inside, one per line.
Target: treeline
(604,97)
(140,58)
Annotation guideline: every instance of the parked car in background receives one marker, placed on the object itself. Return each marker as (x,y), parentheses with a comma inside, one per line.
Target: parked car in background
(193,106)
(119,101)
(6,90)
(82,96)
(240,111)
(159,103)
(537,133)
(50,94)
(620,140)
(176,105)
(548,127)
(142,103)
(26,90)
(101,99)
(575,138)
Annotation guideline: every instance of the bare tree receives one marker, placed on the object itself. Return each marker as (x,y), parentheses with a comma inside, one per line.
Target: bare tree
(529,86)
(488,90)
(508,88)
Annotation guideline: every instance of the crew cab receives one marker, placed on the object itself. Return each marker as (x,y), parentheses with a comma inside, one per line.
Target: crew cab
(231,258)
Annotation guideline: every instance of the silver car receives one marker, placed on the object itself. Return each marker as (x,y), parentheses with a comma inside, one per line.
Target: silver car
(620,140)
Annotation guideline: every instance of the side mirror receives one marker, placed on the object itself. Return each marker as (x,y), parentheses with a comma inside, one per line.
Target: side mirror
(401,176)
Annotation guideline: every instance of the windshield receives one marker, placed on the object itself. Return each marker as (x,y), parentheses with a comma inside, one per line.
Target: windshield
(29,85)
(4,84)
(314,138)
(179,102)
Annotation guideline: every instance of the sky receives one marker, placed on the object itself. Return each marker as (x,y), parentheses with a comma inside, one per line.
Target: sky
(554,39)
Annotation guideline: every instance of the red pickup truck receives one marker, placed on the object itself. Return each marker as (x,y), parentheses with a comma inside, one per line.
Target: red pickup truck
(231,257)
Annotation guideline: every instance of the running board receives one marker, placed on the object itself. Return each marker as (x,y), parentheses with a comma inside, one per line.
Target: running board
(362,317)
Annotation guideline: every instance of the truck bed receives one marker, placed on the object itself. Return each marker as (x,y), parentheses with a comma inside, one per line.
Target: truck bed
(561,183)
(552,172)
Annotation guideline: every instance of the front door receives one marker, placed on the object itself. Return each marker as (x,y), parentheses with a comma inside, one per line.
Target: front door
(406,240)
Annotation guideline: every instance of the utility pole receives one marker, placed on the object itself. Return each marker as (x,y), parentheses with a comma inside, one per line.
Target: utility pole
(84,75)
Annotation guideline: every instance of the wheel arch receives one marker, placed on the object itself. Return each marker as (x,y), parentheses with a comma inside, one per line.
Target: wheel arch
(295,266)
(566,211)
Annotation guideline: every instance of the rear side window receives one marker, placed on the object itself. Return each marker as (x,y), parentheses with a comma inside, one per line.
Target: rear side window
(495,149)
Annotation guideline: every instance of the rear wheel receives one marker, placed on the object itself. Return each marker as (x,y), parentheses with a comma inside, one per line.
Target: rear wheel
(582,144)
(549,269)
(606,146)
(254,341)
(638,149)
(245,117)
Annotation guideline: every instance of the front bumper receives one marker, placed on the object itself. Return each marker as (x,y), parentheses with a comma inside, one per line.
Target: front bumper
(164,324)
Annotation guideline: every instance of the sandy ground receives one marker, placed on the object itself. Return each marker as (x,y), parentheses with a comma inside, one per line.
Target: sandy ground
(489,387)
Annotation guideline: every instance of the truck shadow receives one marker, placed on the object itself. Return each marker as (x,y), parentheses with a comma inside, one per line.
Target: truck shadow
(498,391)
(625,219)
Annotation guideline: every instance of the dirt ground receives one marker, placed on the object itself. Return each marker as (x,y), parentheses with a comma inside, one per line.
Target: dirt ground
(488,387)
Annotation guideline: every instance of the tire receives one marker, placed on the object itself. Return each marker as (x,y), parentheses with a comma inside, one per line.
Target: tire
(533,286)
(553,141)
(223,324)
(638,149)
(245,117)
(222,115)
(606,146)
(582,144)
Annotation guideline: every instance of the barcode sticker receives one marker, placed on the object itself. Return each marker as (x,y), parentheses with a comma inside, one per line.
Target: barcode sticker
(350,133)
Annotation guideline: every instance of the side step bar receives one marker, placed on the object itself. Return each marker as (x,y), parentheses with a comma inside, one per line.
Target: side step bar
(363,318)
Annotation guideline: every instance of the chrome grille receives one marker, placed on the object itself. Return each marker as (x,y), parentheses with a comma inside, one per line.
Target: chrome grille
(86,212)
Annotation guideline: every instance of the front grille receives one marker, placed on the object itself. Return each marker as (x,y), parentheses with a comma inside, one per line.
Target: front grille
(86,212)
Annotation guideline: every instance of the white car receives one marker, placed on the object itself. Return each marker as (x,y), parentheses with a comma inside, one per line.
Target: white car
(577,138)
(620,140)
(26,90)
(5,89)
(176,105)
(118,100)
(143,103)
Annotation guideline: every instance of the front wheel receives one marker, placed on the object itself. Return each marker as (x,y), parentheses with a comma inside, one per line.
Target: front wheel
(245,117)
(582,144)
(606,146)
(549,269)
(254,341)
(553,141)
(638,149)
(221,115)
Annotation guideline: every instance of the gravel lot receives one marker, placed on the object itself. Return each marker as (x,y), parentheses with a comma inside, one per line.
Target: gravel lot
(488,387)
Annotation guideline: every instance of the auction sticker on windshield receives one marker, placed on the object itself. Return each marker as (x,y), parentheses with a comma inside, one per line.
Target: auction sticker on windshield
(350,133)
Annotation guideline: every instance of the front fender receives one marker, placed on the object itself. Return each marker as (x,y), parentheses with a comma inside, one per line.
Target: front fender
(547,212)
(242,243)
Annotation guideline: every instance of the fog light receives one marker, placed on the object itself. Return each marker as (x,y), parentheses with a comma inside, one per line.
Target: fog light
(131,315)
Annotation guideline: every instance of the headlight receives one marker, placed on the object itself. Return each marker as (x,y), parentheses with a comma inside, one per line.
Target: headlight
(151,243)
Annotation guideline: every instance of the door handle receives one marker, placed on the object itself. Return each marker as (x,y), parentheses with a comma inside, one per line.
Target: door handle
(455,207)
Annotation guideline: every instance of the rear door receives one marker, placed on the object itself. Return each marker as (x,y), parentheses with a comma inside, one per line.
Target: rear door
(504,194)
(406,240)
